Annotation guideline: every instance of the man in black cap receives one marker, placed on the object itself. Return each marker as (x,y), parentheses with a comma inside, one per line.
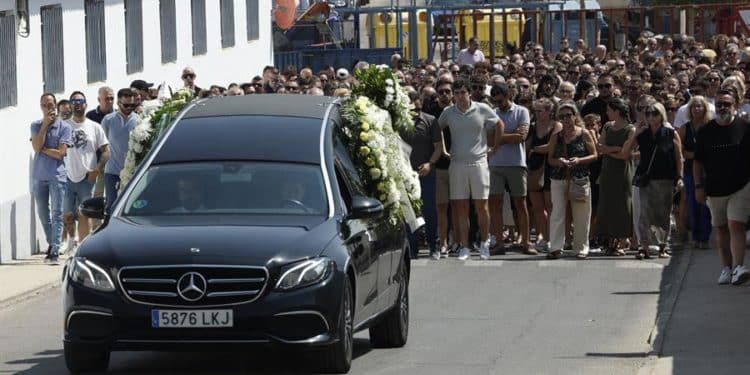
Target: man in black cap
(141,87)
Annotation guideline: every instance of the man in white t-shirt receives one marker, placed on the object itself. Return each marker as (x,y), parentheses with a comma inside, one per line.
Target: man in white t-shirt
(82,166)
(471,55)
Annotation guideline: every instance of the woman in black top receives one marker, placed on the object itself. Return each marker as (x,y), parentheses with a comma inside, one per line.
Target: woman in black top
(541,129)
(657,175)
(699,215)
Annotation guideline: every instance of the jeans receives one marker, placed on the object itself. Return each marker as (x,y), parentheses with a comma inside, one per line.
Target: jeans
(111,184)
(48,197)
(429,213)
(698,214)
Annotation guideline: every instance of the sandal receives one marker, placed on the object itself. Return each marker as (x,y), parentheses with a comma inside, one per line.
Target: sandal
(554,254)
(664,254)
(582,255)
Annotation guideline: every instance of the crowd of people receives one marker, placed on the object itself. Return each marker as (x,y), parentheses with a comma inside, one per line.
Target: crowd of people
(640,150)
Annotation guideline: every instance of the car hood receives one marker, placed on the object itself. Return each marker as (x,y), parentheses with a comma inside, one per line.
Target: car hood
(129,243)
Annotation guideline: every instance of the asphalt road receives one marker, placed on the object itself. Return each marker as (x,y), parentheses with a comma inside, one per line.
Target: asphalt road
(510,315)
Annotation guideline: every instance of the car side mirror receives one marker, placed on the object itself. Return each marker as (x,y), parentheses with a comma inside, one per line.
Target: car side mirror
(92,208)
(366,208)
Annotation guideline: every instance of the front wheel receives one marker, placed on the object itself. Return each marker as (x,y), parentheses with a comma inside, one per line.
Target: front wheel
(393,330)
(85,358)
(337,358)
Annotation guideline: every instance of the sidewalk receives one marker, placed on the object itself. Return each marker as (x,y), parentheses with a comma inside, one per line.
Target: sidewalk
(22,279)
(707,331)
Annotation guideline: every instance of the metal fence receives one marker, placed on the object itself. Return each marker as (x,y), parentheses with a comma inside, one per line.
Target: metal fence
(96,51)
(134,36)
(198,16)
(439,32)
(167,14)
(53,58)
(8,80)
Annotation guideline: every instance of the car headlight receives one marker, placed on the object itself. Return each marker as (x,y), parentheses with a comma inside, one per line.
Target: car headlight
(306,273)
(88,274)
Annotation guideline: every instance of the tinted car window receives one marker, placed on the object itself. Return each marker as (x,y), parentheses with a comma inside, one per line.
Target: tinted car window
(237,188)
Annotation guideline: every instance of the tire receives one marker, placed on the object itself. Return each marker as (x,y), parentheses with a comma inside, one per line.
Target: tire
(337,358)
(393,330)
(85,358)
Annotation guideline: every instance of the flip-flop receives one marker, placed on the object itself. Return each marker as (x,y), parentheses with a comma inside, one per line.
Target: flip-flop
(554,254)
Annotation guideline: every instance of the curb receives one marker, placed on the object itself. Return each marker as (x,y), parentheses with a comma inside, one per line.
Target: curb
(658,332)
(10,301)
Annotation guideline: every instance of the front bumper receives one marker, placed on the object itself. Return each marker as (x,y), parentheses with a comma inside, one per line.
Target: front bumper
(308,316)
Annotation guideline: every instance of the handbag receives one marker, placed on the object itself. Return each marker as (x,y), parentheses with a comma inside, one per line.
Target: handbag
(642,180)
(579,188)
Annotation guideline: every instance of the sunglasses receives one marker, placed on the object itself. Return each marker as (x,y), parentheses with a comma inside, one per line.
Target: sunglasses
(478,87)
(528,68)
(128,105)
(77,101)
(444,92)
(186,76)
(523,86)
(724,104)
(573,72)
(671,109)
(651,113)
(564,116)
(605,86)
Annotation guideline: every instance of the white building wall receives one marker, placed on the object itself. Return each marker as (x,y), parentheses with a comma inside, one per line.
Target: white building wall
(18,234)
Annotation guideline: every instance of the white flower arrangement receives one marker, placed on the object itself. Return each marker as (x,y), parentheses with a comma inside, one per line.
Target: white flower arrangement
(376,148)
(155,117)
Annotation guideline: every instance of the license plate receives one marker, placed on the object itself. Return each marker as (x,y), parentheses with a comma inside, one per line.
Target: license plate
(191,318)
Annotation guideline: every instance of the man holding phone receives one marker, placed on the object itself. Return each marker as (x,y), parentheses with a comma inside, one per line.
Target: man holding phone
(50,138)
(117,127)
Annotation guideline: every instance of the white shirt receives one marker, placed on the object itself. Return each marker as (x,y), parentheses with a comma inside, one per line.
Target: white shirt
(87,137)
(467,58)
(680,118)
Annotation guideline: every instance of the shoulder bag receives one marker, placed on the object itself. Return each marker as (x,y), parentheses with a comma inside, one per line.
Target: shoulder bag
(579,188)
(642,180)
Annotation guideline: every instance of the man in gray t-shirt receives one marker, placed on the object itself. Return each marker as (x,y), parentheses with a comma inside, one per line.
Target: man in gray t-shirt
(508,166)
(468,172)
(117,127)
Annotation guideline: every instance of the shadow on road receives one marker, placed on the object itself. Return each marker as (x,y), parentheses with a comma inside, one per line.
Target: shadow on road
(260,360)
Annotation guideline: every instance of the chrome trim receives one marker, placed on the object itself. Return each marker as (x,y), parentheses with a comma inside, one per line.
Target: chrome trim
(151,294)
(311,340)
(150,281)
(307,312)
(122,288)
(132,341)
(232,294)
(323,167)
(90,312)
(116,211)
(235,281)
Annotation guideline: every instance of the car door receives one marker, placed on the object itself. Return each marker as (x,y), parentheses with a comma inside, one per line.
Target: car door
(360,238)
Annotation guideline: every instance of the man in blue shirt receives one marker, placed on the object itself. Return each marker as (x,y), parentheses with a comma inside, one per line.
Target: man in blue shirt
(117,127)
(50,138)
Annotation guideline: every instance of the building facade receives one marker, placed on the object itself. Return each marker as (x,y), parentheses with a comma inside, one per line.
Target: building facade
(64,46)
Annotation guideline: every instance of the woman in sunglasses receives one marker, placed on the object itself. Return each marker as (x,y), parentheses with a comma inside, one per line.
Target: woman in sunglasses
(697,214)
(569,154)
(658,176)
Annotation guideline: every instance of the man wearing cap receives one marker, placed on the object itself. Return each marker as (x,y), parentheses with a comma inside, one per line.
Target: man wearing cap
(141,88)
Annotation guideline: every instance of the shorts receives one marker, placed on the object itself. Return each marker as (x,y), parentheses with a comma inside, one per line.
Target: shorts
(734,207)
(512,177)
(469,181)
(75,194)
(443,186)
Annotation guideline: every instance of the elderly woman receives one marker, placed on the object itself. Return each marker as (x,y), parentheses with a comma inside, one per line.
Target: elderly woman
(699,216)
(657,176)
(569,153)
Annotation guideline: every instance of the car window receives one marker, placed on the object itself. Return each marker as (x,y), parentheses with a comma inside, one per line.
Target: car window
(237,188)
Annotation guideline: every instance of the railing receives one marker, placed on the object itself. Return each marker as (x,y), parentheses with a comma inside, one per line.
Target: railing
(438,33)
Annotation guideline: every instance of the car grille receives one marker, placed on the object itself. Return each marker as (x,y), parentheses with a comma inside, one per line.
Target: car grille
(193,285)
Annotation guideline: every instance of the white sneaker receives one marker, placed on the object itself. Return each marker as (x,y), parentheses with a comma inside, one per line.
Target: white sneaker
(484,250)
(493,240)
(444,251)
(464,254)
(740,275)
(726,276)
(435,255)
(68,246)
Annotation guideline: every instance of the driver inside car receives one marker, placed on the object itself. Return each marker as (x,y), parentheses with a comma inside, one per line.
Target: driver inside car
(292,194)
(190,196)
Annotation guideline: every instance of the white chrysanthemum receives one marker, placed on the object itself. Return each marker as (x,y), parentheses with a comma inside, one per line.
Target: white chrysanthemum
(389,82)
(375,173)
